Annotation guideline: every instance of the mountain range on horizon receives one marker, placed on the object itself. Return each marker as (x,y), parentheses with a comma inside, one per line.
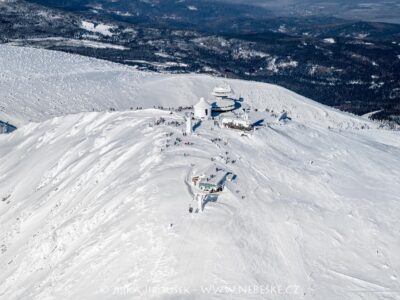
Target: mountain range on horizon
(198,149)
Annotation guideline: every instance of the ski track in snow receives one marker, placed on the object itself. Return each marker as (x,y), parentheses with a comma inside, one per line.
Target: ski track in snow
(87,198)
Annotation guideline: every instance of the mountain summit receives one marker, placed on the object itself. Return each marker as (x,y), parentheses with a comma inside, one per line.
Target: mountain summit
(95,203)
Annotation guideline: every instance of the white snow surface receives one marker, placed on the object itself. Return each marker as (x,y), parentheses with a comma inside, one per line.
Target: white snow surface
(38,84)
(99,28)
(60,41)
(329,41)
(87,199)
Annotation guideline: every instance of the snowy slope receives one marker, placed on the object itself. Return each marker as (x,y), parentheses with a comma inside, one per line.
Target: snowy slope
(87,200)
(37,84)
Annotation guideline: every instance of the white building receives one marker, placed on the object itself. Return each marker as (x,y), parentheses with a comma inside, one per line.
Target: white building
(211,179)
(202,110)
(237,123)
(223,95)
(222,91)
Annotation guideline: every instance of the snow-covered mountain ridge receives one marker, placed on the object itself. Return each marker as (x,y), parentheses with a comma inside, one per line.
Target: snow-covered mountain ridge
(60,84)
(95,204)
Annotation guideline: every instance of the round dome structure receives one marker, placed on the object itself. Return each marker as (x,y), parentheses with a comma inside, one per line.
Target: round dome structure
(224,101)
(223,91)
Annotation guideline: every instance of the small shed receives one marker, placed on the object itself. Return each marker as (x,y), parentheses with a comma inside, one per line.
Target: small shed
(283,116)
(202,110)
(6,127)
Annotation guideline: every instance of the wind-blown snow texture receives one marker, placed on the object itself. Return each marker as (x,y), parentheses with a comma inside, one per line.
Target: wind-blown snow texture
(88,199)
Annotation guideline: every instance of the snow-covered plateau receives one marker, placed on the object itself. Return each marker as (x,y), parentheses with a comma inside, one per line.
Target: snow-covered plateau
(94,204)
